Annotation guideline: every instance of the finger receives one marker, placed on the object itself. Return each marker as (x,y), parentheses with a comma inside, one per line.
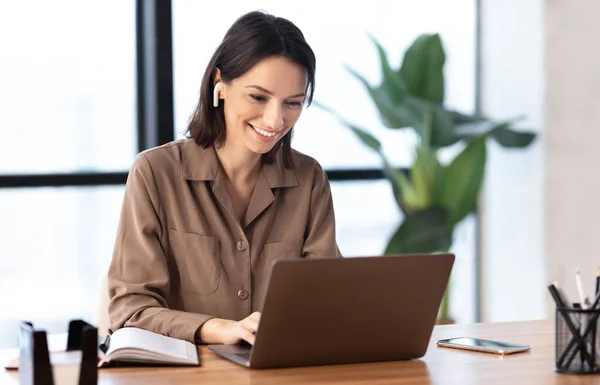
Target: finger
(247,336)
(255,316)
(250,325)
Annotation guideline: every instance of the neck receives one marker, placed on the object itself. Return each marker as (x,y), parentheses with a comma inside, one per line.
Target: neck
(239,164)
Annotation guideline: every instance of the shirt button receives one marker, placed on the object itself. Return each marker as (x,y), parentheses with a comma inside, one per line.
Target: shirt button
(243,294)
(241,245)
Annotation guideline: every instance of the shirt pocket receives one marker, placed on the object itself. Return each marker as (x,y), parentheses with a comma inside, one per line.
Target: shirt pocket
(282,250)
(197,259)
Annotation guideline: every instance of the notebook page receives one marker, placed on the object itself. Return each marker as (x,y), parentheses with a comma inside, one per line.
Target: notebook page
(153,342)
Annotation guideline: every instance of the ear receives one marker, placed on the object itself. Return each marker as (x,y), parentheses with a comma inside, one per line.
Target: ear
(217,76)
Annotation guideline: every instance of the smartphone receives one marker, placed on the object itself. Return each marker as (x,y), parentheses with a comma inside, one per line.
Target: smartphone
(480,345)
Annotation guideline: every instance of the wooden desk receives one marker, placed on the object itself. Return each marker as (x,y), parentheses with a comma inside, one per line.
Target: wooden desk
(439,366)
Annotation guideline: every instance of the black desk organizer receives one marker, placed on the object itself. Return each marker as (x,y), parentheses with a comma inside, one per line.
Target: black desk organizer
(35,367)
(577,341)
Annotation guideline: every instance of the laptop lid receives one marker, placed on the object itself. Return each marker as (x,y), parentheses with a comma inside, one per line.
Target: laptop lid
(350,310)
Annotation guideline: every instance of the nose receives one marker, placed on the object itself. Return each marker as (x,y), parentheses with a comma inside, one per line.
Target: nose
(273,117)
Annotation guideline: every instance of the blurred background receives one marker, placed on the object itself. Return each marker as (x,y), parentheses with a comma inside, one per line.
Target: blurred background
(86,85)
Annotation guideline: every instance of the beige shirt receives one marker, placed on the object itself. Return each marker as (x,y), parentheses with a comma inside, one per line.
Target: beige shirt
(182,257)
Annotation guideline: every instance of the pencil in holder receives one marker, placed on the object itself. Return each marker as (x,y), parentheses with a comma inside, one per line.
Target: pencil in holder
(577,341)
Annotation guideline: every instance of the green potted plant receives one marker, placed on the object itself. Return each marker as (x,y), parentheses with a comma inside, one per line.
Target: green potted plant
(433,197)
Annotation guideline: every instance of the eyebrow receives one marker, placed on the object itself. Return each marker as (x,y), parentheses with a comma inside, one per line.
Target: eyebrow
(266,91)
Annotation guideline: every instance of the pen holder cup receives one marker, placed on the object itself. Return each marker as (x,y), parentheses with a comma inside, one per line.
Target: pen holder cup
(577,341)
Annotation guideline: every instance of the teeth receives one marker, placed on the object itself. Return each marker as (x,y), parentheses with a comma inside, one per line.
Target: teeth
(263,132)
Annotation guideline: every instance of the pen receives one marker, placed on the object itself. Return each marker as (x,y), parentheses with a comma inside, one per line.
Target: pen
(561,294)
(580,289)
(583,323)
(596,302)
(585,306)
(104,345)
(595,321)
(556,296)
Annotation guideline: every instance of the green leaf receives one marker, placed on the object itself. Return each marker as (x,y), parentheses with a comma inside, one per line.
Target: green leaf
(423,171)
(422,184)
(442,123)
(404,191)
(461,118)
(443,128)
(410,196)
(397,179)
(423,68)
(511,139)
(501,132)
(423,231)
(366,138)
(391,116)
(392,83)
(458,190)
(409,112)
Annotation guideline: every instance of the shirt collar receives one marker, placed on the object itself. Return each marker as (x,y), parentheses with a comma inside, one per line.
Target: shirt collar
(203,164)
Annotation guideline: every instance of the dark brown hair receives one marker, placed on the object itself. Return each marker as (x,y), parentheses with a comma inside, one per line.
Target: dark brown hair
(252,38)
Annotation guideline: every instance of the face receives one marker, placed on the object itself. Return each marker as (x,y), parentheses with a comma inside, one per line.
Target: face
(262,105)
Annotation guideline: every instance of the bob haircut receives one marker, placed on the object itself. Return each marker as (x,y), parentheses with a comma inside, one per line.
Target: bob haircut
(252,37)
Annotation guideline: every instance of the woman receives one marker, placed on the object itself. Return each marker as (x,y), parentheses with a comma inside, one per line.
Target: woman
(203,218)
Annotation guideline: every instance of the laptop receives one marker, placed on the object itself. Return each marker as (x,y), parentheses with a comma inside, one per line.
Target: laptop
(342,311)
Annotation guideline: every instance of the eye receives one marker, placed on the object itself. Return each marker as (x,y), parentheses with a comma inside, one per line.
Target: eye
(258,98)
(294,104)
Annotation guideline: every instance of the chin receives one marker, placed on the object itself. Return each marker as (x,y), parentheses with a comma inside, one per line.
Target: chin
(260,149)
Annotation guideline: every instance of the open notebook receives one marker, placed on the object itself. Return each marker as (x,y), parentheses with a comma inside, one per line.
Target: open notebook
(133,345)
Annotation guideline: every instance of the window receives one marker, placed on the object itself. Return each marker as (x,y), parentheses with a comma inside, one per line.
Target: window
(366,216)
(67,100)
(56,242)
(67,116)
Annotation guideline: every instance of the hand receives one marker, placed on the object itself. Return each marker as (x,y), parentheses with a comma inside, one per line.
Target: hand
(228,332)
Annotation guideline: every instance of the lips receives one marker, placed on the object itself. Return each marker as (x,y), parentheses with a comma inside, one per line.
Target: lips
(264,133)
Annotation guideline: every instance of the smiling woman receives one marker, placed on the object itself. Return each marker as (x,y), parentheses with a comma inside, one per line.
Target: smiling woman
(256,78)
(205,217)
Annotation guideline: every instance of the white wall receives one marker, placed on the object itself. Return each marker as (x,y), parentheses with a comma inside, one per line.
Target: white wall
(513,233)
(572,136)
(541,207)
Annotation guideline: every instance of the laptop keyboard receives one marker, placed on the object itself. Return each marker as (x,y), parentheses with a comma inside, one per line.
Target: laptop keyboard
(245,356)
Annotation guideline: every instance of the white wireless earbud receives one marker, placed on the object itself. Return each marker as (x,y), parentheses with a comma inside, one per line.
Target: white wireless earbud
(216,91)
